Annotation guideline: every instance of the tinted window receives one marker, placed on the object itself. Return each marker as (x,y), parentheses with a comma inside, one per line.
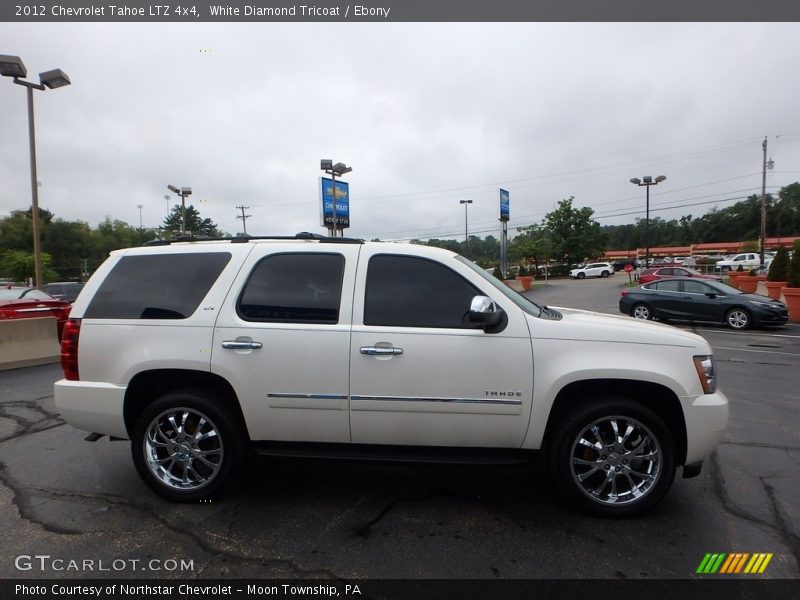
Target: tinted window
(294,288)
(668,285)
(665,272)
(157,286)
(695,287)
(406,291)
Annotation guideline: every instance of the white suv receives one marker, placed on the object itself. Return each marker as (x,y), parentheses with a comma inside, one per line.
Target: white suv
(747,261)
(199,351)
(602,269)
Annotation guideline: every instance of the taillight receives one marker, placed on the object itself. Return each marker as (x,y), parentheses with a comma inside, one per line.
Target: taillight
(624,293)
(69,349)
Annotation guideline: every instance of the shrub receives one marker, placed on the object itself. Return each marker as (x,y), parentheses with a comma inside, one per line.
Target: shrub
(498,273)
(522,271)
(793,273)
(779,266)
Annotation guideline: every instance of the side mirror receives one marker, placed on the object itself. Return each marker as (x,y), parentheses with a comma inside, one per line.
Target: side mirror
(484,312)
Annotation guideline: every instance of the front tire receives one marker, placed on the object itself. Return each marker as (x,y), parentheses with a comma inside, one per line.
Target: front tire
(642,311)
(738,318)
(581,275)
(613,457)
(185,445)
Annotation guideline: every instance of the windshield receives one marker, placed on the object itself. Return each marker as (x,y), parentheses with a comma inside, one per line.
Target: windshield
(723,289)
(529,307)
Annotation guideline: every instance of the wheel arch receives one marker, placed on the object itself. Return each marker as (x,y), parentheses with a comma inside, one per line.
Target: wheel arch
(658,398)
(147,386)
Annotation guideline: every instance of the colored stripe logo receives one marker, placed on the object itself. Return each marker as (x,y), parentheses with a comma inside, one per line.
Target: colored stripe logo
(735,563)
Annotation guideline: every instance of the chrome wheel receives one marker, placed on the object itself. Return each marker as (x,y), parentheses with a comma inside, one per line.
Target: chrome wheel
(738,318)
(616,460)
(183,449)
(641,311)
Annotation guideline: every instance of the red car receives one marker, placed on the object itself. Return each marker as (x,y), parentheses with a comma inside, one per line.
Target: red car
(22,302)
(649,275)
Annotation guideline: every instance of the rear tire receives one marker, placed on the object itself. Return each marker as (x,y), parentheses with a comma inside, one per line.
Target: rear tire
(185,445)
(613,457)
(604,274)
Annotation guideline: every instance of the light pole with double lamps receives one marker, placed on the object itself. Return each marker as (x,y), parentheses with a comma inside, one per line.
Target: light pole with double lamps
(12,66)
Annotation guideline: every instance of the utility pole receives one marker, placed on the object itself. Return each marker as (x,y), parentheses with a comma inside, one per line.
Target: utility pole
(763,200)
(243,217)
(140,206)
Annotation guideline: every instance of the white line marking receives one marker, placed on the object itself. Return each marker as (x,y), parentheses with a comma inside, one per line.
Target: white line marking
(757,351)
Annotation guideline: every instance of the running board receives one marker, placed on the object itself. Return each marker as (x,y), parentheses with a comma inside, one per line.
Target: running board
(378,453)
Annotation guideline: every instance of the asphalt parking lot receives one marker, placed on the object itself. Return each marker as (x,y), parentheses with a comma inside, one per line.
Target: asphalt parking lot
(70,499)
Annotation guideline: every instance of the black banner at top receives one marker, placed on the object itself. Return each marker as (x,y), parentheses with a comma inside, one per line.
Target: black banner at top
(170,11)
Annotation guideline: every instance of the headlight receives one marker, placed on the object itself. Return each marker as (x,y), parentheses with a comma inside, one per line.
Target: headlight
(705,371)
(764,304)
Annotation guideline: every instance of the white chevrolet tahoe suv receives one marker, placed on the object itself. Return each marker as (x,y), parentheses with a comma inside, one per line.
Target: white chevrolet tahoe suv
(200,351)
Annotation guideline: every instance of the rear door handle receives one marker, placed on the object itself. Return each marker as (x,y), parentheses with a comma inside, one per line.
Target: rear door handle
(376,351)
(239,345)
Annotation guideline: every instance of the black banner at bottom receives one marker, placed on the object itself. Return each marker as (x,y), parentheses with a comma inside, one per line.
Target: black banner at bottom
(401,589)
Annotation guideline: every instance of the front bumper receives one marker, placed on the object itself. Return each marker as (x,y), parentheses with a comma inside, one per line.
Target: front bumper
(92,406)
(706,422)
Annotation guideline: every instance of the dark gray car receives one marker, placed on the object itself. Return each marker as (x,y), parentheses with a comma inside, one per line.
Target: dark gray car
(689,299)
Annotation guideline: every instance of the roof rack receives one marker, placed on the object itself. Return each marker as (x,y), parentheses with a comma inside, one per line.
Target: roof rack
(303,235)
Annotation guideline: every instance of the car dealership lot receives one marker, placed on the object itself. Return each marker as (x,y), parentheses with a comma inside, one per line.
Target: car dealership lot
(72,499)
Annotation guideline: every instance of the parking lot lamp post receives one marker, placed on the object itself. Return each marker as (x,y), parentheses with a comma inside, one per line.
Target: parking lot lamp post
(183,192)
(333,170)
(12,66)
(466,203)
(647,181)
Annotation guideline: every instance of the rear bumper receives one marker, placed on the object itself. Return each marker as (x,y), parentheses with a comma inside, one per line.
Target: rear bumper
(92,406)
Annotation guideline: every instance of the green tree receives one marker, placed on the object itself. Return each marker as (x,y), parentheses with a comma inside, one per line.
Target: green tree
(533,244)
(18,265)
(575,235)
(779,266)
(793,273)
(195,224)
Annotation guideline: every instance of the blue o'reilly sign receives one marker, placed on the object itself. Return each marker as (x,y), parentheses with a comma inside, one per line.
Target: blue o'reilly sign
(505,210)
(342,194)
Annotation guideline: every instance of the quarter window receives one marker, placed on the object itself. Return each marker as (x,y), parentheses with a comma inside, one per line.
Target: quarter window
(294,288)
(157,286)
(407,291)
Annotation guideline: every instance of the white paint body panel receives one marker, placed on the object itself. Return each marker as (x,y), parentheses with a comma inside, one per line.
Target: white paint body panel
(449,387)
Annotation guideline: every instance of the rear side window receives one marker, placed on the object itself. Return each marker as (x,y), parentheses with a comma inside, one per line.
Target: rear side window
(668,285)
(294,288)
(157,286)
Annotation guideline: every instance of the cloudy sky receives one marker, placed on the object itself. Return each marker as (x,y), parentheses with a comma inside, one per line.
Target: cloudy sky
(426,114)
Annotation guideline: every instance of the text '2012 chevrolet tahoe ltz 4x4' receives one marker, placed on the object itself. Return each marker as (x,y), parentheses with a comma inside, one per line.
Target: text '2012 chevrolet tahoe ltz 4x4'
(200,351)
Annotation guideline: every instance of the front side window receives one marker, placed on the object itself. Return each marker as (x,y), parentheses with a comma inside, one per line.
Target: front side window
(668,285)
(695,287)
(157,286)
(407,291)
(294,288)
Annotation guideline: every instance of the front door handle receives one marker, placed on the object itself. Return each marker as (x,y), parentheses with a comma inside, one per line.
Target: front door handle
(377,351)
(239,345)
